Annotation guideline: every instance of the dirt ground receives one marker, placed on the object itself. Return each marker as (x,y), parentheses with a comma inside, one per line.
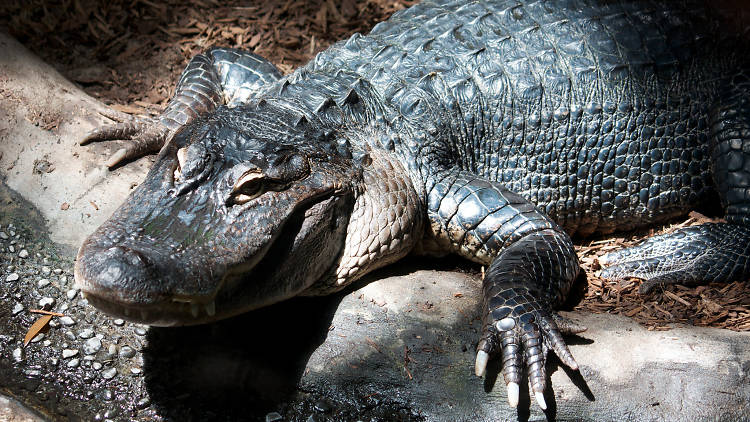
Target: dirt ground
(129,54)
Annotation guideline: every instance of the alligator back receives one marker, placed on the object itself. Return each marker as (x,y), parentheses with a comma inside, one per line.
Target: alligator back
(599,114)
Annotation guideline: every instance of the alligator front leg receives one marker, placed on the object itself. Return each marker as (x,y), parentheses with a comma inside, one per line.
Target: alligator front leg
(532,265)
(218,76)
(713,251)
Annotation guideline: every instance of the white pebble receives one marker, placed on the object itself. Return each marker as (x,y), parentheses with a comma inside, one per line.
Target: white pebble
(67,321)
(12,277)
(23,254)
(69,353)
(46,302)
(92,346)
(109,373)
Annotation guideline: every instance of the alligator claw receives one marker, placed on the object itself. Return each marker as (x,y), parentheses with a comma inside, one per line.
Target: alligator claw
(523,335)
(146,136)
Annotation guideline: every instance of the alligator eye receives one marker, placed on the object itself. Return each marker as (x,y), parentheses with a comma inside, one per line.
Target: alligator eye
(248,187)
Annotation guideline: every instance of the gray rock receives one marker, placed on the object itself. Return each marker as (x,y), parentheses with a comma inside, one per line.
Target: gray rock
(3,235)
(92,346)
(127,352)
(71,294)
(46,270)
(273,417)
(73,363)
(109,373)
(42,283)
(47,302)
(23,254)
(67,321)
(86,333)
(18,354)
(12,277)
(17,309)
(69,353)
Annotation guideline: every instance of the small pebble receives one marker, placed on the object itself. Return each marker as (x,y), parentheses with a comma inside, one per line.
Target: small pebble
(69,353)
(67,321)
(18,354)
(109,373)
(3,235)
(57,271)
(86,333)
(119,322)
(71,294)
(74,363)
(46,302)
(46,270)
(37,338)
(135,370)
(143,403)
(54,361)
(47,343)
(273,417)
(69,335)
(92,346)
(322,406)
(107,395)
(42,283)
(97,366)
(17,308)
(12,277)
(140,331)
(127,352)
(23,254)
(11,249)
(64,280)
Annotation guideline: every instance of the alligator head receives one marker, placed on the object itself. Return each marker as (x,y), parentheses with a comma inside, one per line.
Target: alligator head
(239,211)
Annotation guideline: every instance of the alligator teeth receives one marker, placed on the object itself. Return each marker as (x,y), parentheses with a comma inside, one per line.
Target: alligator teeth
(195,309)
(211,309)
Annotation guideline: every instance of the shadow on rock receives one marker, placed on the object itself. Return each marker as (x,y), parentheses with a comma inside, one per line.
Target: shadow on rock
(237,367)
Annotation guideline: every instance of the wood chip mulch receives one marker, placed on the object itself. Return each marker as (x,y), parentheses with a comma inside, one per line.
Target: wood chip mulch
(723,305)
(130,53)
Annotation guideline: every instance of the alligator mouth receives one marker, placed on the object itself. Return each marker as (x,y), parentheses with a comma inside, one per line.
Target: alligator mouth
(243,287)
(161,314)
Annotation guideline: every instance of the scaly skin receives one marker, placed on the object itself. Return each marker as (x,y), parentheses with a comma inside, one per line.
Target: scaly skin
(494,130)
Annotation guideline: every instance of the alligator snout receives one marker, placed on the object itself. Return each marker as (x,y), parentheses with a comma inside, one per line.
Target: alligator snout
(115,273)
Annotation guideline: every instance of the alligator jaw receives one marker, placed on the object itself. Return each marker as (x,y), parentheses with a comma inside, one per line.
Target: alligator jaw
(158,314)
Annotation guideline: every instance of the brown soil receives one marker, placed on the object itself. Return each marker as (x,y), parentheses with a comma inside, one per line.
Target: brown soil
(129,54)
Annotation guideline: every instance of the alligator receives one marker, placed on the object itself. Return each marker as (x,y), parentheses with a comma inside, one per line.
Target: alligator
(494,130)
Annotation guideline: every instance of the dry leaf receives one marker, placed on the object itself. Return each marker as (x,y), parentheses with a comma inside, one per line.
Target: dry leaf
(36,328)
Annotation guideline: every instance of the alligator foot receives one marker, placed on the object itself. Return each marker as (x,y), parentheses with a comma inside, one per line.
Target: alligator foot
(146,136)
(709,252)
(521,328)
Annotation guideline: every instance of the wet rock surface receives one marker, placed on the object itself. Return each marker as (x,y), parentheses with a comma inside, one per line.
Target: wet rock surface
(398,346)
